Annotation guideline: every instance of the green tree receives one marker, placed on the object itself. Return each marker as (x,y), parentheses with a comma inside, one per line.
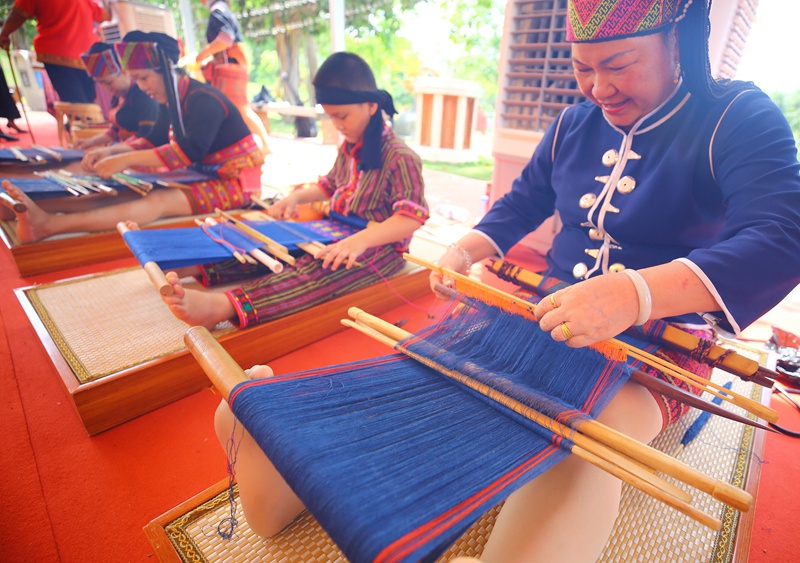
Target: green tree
(789,104)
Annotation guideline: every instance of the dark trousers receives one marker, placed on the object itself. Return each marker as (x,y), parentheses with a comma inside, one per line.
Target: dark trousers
(71,84)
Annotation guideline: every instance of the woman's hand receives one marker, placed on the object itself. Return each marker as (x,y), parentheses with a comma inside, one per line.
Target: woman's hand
(452,259)
(284,209)
(589,311)
(111,165)
(92,157)
(345,251)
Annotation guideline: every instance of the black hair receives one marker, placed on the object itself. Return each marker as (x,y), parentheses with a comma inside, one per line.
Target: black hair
(99,47)
(347,71)
(693,33)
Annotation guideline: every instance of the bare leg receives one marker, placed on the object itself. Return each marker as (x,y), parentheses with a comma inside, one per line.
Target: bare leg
(268,502)
(197,307)
(256,127)
(568,513)
(36,223)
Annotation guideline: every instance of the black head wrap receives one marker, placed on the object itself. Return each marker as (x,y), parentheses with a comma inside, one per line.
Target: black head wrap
(372,145)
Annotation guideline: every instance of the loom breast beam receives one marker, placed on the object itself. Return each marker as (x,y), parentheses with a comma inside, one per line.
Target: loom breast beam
(725,492)
(277,250)
(515,305)
(221,369)
(154,272)
(673,337)
(12,203)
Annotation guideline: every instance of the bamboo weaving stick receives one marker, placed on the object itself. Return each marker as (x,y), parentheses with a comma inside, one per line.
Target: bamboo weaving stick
(277,250)
(725,492)
(520,306)
(673,337)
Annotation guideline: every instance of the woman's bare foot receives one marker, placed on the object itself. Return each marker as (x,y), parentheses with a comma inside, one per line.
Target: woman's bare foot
(259,371)
(31,224)
(197,308)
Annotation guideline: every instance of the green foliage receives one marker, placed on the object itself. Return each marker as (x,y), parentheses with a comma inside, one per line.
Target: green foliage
(480,169)
(789,104)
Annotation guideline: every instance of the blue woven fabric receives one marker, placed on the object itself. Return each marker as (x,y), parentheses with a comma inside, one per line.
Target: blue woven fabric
(396,461)
(176,248)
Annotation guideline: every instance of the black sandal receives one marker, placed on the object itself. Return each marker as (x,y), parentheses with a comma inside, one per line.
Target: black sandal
(15,127)
(5,137)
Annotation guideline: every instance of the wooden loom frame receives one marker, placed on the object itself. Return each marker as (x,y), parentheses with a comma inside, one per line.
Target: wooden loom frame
(129,393)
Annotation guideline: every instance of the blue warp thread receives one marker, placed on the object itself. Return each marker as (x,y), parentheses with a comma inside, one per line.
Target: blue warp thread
(176,248)
(396,461)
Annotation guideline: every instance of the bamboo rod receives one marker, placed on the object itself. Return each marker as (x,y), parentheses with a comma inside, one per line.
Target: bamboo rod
(310,247)
(673,337)
(153,270)
(277,250)
(527,308)
(724,492)
(49,152)
(221,369)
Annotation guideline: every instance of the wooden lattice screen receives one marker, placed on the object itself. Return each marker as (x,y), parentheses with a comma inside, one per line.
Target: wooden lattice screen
(539,81)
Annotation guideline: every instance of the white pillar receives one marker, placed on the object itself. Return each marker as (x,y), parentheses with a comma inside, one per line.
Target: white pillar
(336,9)
(436,120)
(187,23)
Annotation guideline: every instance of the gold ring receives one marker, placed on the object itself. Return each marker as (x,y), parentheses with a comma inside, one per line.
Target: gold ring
(566,331)
(553,301)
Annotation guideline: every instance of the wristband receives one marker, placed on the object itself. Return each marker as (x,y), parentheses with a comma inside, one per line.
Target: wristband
(643,292)
(466,259)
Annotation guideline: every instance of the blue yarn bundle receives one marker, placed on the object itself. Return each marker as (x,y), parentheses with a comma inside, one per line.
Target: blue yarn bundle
(396,461)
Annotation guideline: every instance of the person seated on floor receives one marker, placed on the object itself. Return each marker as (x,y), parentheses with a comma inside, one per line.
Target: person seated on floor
(375,177)
(680,199)
(204,127)
(133,113)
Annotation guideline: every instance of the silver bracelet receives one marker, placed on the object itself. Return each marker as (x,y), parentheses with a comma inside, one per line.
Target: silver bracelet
(643,292)
(466,259)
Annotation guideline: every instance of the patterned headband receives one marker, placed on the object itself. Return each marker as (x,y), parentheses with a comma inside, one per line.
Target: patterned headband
(603,20)
(102,64)
(138,55)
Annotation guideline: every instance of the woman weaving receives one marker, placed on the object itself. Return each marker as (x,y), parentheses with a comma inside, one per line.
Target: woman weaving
(133,113)
(204,128)
(713,224)
(375,177)
(679,195)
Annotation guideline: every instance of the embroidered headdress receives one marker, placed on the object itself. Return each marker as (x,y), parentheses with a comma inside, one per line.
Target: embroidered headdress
(602,20)
(140,50)
(101,60)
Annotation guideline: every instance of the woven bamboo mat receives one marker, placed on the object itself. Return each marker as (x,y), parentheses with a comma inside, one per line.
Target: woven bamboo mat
(646,530)
(109,322)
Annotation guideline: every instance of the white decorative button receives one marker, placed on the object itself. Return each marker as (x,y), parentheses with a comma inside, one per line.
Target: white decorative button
(596,234)
(616,267)
(580,270)
(610,157)
(626,185)
(587,200)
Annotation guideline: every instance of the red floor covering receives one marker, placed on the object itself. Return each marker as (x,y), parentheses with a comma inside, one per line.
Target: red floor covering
(68,497)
